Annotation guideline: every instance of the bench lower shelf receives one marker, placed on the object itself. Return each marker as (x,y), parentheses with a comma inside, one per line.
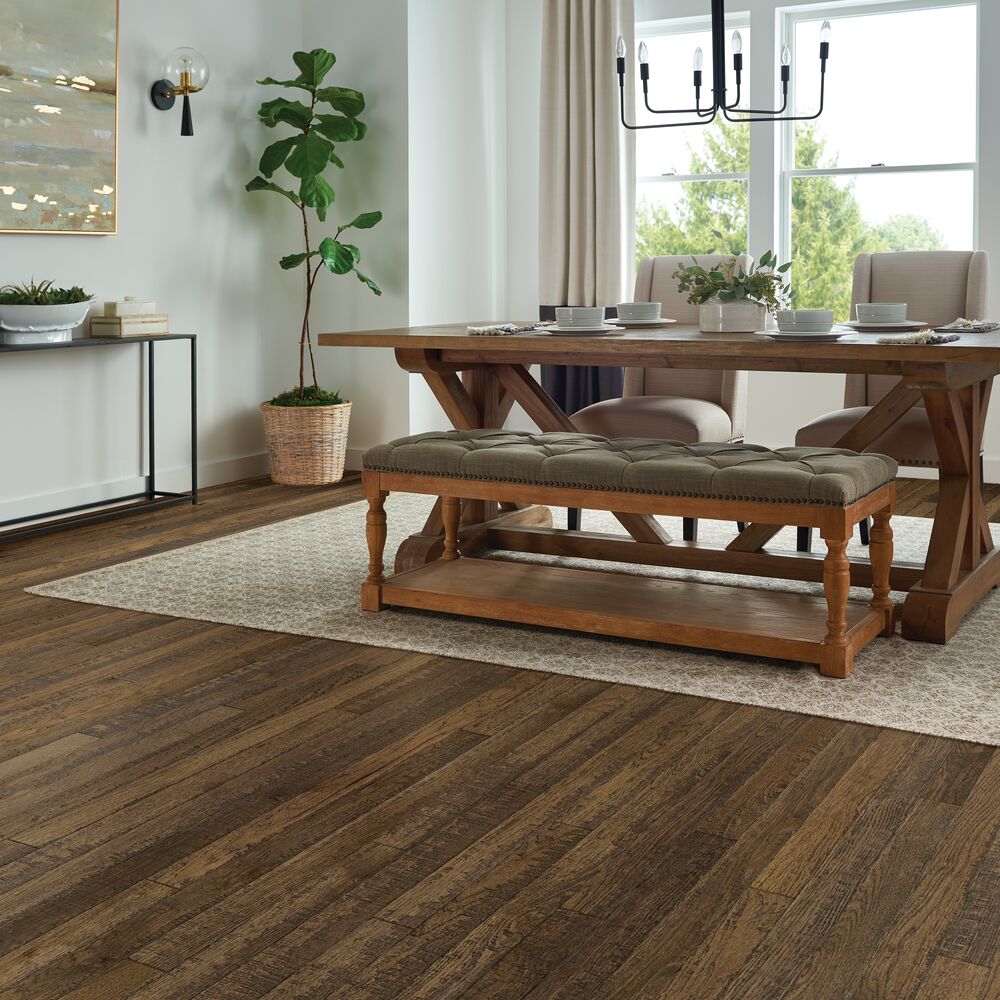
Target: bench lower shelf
(765,623)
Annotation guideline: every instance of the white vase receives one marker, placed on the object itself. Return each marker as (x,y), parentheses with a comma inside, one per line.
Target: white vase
(732,317)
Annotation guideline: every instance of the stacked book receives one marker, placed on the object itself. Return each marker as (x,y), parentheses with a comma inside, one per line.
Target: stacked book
(130,318)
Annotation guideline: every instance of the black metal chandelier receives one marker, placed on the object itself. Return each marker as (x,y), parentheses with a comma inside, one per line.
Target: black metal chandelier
(730,111)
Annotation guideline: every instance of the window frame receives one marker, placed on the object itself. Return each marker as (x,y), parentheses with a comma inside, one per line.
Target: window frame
(786,21)
(739,21)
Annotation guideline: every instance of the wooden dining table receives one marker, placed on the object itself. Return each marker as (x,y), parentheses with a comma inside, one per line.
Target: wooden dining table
(477,379)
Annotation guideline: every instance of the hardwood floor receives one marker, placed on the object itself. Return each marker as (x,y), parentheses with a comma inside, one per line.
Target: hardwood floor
(197,810)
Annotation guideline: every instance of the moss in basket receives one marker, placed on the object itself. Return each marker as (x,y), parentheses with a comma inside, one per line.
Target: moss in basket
(312,395)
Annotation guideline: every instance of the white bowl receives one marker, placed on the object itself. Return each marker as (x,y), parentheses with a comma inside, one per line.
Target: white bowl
(639,310)
(881,312)
(805,316)
(43,319)
(580,315)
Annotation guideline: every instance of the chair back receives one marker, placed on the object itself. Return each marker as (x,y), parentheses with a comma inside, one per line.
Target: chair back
(655,282)
(939,286)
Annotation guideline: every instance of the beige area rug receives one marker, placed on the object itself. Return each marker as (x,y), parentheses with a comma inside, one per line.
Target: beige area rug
(303,576)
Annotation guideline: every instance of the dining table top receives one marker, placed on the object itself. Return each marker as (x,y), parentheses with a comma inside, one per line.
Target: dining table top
(679,346)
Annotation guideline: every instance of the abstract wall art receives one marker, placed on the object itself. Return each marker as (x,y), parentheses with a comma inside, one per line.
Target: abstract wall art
(59,116)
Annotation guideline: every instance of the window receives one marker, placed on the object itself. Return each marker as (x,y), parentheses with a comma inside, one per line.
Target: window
(691,182)
(899,178)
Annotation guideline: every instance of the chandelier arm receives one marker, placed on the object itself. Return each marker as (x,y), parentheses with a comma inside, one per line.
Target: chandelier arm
(785,118)
(759,111)
(639,128)
(674,111)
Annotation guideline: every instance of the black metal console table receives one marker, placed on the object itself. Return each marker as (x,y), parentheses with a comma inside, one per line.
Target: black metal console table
(151,497)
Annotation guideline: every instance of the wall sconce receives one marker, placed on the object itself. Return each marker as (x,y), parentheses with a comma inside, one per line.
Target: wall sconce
(185,72)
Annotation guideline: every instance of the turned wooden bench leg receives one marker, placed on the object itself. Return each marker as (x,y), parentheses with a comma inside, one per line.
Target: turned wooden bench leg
(881,559)
(451,514)
(375,532)
(836,656)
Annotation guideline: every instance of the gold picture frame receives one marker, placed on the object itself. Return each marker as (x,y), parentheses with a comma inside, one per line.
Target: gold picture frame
(59,118)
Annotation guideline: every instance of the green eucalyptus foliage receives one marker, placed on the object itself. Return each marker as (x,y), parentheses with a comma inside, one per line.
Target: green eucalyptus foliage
(41,294)
(764,283)
(320,119)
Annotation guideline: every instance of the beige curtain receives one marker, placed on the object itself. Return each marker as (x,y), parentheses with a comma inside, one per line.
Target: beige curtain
(587,203)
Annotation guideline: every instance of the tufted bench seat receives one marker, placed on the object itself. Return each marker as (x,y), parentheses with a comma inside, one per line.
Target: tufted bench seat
(826,488)
(827,476)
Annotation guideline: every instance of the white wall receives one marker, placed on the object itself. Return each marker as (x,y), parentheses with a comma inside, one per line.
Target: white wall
(458,171)
(370,41)
(193,239)
(190,237)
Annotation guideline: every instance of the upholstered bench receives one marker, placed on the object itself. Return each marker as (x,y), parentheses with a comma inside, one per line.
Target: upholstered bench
(824,488)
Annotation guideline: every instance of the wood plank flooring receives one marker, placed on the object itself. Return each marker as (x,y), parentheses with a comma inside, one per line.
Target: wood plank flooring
(196,810)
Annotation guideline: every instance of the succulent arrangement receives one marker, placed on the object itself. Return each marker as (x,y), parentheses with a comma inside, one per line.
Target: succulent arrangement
(42,293)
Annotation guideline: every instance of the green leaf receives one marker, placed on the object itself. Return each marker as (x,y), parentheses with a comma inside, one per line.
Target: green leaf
(259,184)
(316,193)
(337,128)
(336,159)
(343,99)
(269,81)
(296,260)
(275,155)
(362,131)
(338,257)
(368,281)
(310,157)
(282,110)
(784,268)
(366,220)
(314,65)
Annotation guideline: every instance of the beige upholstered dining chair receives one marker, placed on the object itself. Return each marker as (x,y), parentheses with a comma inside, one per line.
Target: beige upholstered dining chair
(672,404)
(939,287)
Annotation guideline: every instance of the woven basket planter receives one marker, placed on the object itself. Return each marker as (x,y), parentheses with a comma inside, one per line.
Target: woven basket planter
(307,445)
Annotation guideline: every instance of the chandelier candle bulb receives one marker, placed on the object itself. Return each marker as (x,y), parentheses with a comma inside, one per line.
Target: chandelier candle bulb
(825,33)
(644,65)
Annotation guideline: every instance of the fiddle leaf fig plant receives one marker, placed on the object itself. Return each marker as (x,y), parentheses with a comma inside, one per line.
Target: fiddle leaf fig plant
(324,117)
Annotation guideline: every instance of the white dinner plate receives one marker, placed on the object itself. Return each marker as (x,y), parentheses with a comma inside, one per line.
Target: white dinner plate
(576,331)
(804,337)
(910,324)
(639,323)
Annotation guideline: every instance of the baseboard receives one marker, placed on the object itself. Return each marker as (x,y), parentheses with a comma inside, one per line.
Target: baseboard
(172,480)
(354,456)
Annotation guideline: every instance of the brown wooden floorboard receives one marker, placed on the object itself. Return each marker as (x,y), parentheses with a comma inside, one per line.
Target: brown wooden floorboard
(198,810)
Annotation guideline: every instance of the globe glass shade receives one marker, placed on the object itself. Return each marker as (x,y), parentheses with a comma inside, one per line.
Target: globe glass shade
(187,70)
